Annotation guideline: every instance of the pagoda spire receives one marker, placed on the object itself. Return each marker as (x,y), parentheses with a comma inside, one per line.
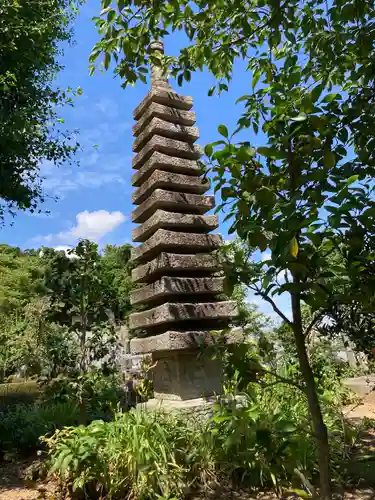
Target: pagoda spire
(178,277)
(158,76)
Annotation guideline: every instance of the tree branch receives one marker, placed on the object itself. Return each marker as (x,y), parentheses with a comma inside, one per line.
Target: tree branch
(274,306)
(283,380)
(312,323)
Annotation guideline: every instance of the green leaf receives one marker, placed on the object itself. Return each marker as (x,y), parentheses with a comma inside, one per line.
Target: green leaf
(316,92)
(255,79)
(329,159)
(211,91)
(271,153)
(293,247)
(352,179)
(300,118)
(331,97)
(208,149)
(222,129)
(107,60)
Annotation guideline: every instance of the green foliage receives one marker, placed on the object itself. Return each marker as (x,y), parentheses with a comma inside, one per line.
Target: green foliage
(300,194)
(49,301)
(259,442)
(97,394)
(142,454)
(22,425)
(14,393)
(30,41)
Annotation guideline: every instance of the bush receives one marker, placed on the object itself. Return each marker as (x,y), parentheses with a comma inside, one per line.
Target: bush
(141,454)
(18,393)
(22,425)
(98,395)
(259,443)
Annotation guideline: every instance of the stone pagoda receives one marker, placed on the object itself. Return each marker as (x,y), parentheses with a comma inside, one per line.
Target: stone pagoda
(177,273)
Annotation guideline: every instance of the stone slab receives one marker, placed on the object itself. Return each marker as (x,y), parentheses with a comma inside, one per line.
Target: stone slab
(170,313)
(360,385)
(185,375)
(163,128)
(171,147)
(159,179)
(167,262)
(166,97)
(173,286)
(199,406)
(164,240)
(173,220)
(165,113)
(174,202)
(177,341)
(160,161)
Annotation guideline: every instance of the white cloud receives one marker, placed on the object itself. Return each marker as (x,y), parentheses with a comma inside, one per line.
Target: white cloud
(63,180)
(92,225)
(108,107)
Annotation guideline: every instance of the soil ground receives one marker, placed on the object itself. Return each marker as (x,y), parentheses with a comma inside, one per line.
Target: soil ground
(14,487)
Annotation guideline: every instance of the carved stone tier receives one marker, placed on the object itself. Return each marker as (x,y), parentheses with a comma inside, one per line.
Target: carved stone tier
(167,146)
(175,221)
(166,129)
(162,96)
(168,287)
(173,241)
(160,179)
(181,281)
(164,113)
(174,202)
(172,263)
(162,161)
(171,312)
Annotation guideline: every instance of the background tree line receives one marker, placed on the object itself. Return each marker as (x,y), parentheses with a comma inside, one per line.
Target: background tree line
(59,310)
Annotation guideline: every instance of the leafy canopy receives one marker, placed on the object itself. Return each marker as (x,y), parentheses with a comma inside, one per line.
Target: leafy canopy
(31,34)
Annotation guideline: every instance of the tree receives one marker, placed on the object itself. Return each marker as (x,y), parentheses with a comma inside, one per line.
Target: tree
(117,272)
(31,33)
(89,294)
(307,190)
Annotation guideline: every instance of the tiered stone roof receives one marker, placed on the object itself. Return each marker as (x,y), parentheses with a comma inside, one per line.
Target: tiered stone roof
(176,271)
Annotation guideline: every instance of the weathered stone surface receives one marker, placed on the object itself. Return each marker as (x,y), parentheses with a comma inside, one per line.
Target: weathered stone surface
(165,113)
(172,286)
(167,262)
(160,179)
(167,146)
(164,162)
(164,240)
(172,220)
(170,313)
(184,375)
(174,202)
(178,341)
(165,129)
(163,96)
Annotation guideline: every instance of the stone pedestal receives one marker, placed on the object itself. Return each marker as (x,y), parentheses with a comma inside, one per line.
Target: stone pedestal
(177,274)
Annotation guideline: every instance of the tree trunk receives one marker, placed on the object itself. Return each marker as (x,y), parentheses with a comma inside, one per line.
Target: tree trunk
(318,425)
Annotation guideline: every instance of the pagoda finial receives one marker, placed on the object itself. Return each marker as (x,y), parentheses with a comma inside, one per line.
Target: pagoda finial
(158,76)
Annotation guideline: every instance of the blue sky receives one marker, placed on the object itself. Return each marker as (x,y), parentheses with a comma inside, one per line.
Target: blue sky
(94,199)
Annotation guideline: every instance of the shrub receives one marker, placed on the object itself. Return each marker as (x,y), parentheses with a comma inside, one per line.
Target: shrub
(22,425)
(140,454)
(143,454)
(97,394)
(18,393)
